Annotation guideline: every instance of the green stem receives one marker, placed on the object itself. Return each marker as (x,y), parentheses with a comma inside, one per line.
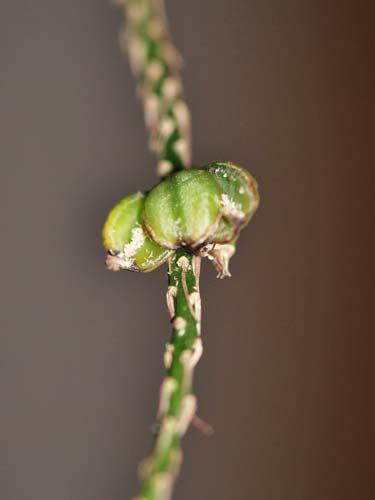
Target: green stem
(155,63)
(184,283)
(177,404)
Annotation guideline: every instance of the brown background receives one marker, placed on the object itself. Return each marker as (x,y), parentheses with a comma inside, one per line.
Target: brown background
(287,379)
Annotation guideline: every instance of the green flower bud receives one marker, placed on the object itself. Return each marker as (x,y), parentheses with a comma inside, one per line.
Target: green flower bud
(239,198)
(202,209)
(184,210)
(125,240)
(239,201)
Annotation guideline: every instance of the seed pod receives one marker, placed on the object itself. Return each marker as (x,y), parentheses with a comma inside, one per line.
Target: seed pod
(127,244)
(239,198)
(184,210)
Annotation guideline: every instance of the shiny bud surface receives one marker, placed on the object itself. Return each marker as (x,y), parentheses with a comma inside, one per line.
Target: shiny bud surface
(184,209)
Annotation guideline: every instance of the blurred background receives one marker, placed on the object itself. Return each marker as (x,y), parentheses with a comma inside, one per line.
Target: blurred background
(287,377)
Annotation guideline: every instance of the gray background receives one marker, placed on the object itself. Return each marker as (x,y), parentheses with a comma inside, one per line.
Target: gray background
(287,379)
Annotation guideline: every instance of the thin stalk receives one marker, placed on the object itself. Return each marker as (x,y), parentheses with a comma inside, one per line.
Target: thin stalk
(177,404)
(155,63)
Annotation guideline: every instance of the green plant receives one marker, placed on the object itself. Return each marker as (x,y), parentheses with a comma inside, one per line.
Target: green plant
(190,214)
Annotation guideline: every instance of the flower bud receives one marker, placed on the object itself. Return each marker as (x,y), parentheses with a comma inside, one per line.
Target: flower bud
(239,198)
(125,240)
(239,201)
(201,209)
(184,210)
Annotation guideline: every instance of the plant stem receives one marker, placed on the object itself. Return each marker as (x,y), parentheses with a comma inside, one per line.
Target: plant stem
(155,63)
(177,404)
